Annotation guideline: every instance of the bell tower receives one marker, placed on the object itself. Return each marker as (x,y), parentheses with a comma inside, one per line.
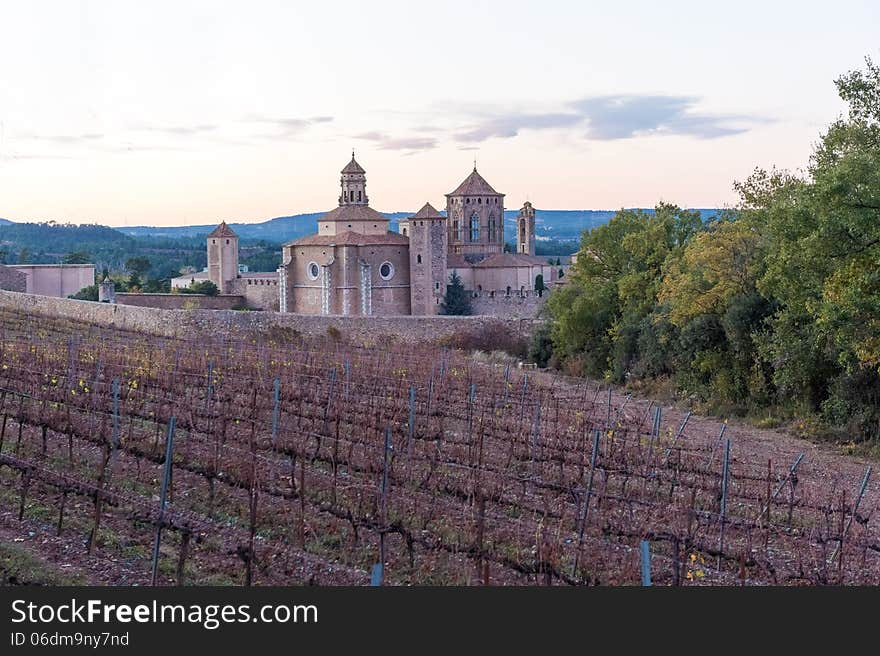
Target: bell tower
(354,184)
(525,230)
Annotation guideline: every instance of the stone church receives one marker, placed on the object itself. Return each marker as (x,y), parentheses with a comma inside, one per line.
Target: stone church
(356,265)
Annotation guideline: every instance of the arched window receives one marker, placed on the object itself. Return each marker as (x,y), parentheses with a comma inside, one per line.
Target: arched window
(491,227)
(359,196)
(418,259)
(456,229)
(404,231)
(475,227)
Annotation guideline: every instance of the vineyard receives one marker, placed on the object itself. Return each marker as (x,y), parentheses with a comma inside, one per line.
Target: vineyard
(284,460)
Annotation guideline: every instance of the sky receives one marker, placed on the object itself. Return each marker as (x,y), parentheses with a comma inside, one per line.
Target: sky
(128,113)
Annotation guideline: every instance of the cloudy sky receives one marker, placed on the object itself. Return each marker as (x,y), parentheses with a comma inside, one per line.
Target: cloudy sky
(169,113)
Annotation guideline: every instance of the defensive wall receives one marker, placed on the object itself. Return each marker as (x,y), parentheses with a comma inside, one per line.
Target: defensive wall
(195,322)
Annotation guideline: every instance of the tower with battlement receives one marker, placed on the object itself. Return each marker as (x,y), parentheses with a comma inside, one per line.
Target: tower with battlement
(427,260)
(223,258)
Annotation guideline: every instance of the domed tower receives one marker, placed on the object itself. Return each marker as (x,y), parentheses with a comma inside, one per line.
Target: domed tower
(354,184)
(223,258)
(354,265)
(525,230)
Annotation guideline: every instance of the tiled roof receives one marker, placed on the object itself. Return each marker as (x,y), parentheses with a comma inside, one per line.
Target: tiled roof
(351,238)
(349,213)
(222,230)
(456,261)
(427,212)
(474,185)
(353,167)
(507,260)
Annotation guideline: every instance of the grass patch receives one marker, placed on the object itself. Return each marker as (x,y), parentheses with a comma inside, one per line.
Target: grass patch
(18,566)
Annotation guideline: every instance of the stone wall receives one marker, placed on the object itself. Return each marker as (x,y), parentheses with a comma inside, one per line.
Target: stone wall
(194,323)
(181,301)
(12,280)
(260,293)
(525,305)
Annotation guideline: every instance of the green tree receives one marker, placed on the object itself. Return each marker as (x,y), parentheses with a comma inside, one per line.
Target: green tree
(205,287)
(24,256)
(541,346)
(139,265)
(614,286)
(824,232)
(456,301)
(89,293)
(539,284)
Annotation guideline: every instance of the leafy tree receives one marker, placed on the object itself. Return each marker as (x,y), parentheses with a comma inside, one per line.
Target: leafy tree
(157,286)
(614,286)
(205,287)
(24,256)
(456,301)
(89,293)
(774,303)
(541,346)
(539,284)
(716,265)
(139,265)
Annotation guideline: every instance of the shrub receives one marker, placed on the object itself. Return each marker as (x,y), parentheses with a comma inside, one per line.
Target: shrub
(541,346)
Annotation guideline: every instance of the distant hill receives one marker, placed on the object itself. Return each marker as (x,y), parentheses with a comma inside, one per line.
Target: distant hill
(279,229)
(170,248)
(553,224)
(569,224)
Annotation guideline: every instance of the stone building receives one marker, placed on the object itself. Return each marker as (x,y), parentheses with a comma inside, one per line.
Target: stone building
(428,253)
(257,290)
(58,280)
(355,265)
(475,214)
(223,257)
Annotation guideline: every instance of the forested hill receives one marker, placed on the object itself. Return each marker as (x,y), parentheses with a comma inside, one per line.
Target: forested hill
(50,242)
(279,229)
(552,224)
(170,248)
